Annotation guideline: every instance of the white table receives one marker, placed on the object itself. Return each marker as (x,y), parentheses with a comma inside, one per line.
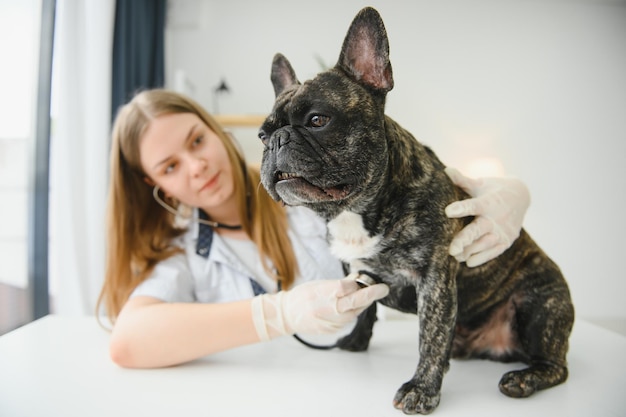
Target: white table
(60,367)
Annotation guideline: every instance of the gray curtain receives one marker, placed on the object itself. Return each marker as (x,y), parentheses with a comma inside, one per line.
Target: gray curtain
(138,50)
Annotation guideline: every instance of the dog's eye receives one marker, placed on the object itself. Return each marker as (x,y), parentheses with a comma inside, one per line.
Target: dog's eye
(263,136)
(319,120)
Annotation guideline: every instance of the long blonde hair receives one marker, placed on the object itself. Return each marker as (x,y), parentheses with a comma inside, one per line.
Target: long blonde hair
(139,231)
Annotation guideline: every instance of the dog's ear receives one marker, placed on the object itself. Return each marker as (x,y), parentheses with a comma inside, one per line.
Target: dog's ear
(283,75)
(365,52)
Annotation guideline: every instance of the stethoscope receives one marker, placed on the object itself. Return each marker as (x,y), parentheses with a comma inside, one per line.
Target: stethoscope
(363,279)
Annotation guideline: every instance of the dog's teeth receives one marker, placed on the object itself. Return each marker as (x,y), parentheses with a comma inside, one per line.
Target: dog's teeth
(286,175)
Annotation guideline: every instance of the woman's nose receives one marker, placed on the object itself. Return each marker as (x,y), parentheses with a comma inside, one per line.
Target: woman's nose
(198,165)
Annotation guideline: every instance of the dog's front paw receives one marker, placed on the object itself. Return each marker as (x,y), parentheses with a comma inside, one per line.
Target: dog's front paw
(412,398)
(524,383)
(352,343)
(515,384)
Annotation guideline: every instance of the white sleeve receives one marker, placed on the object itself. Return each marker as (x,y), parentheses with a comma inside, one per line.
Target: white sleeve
(170,281)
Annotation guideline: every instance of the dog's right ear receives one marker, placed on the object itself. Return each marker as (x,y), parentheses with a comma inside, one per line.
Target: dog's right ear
(283,75)
(365,52)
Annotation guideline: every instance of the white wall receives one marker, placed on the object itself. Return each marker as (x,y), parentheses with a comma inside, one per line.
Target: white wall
(538,84)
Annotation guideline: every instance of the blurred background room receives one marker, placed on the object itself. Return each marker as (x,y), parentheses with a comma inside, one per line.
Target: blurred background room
(534,89)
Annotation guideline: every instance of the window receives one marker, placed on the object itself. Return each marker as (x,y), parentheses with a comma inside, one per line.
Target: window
(20,29)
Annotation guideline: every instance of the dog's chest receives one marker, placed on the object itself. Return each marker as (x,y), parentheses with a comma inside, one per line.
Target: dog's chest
(351,242)
(348,238)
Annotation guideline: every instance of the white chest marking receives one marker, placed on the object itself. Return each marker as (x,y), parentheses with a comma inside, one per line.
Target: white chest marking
(348,238)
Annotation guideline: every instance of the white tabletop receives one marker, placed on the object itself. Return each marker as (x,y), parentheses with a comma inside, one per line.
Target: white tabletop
(60,367)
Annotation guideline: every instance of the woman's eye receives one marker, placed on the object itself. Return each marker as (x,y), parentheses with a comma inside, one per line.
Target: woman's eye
(197,141)
(168,169)
(319,120)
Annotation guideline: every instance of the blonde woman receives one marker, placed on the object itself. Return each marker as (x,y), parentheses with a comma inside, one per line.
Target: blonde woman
(200,259)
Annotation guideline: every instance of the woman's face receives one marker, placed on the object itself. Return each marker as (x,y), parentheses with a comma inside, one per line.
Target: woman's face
(187,160)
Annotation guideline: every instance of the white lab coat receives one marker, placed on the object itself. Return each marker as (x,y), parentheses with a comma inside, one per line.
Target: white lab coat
(222,277)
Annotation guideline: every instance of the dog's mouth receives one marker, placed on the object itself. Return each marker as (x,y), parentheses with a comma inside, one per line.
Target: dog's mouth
(291,186)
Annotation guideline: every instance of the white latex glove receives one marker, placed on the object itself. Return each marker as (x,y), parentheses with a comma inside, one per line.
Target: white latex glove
(499,205)
(316,307)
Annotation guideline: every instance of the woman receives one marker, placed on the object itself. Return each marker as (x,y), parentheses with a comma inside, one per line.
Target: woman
(198,252)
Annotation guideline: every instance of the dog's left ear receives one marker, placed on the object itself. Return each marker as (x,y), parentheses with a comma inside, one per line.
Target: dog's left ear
(365,51)
(283,75)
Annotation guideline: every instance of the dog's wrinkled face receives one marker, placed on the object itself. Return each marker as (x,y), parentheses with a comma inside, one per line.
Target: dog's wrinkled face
(324,139)
(312,131)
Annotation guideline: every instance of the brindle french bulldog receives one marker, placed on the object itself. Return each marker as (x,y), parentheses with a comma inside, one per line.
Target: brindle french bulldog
(330,147)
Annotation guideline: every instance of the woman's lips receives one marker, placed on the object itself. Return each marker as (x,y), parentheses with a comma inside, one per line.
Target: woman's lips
(210,183)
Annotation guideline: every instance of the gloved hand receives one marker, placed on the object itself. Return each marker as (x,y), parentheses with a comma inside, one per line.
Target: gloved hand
(499,205)
(316,307)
